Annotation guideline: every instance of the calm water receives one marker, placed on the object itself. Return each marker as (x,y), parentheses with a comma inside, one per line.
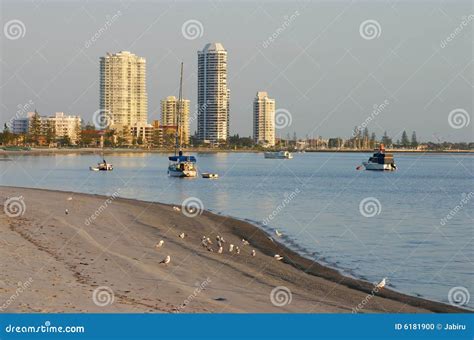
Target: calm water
(314,200)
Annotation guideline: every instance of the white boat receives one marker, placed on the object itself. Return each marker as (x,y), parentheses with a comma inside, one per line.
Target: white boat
(102,167)
(180,165)
(278,155)
(380,161)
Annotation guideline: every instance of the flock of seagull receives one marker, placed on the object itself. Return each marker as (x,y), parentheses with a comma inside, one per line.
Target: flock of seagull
(207,243)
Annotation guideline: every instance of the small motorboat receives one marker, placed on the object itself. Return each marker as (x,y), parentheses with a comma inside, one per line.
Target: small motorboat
(209,175)
(380,161)
(278,155)
(103,166)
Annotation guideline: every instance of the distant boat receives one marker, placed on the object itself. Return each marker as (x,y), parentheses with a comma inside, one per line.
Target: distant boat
(180,165)
(209,175)
(380,161)
(102,166)
(278,155)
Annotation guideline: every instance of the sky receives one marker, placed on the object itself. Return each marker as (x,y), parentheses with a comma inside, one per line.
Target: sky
(327,64)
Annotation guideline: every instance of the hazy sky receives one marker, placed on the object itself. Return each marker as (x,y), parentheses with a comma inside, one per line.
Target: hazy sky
(319,67)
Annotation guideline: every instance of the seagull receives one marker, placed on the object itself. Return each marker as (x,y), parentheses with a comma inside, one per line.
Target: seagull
(69,198)
(218,238)
(278,257)
(182,235)
(237,249)
(166,260)
(210,249)
(220,250)
(278,233)
(222,240)
(209,240)
(382,283)
(231,248)
(245,242)
(253,252)
(176,208)
(204,243)
(159,244)
(66,211)
(219,243)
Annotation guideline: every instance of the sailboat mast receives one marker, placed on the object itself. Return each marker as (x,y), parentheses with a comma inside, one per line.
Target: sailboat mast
(179,108)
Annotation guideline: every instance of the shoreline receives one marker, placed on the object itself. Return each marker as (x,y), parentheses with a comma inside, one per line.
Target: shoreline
(81,151)
(306,278)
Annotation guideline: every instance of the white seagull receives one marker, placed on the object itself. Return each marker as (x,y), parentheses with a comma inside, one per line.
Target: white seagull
(175,208)
(209,240)
(182,235)
(231,248)
(159,244)
(237,249)
(277,233)
(69,198)
(254,252)
(245,242)
(382,283)
(220,250)
(278,257)
(66,211)
(166,260)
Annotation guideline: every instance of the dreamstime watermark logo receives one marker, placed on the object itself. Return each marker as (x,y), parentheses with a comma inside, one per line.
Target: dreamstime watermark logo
(370,29)
(102,119)
(200,287)
(109,20)
(281,296)
(283,118)
(192,29)
(288,19)
(370,206)
(22,110)
(282,205)
(14,29)
(102,207)
(192,207)
(14,206)
(459,118)
(22,286)
(464,22)
(377,109)
(464,201)
(103,296)
(459,296)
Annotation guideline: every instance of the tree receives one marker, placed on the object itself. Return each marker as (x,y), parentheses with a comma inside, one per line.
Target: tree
(386,139)
(35,128)
(7,136)
(373,138)
(414,142)
(50,132)
(405,140)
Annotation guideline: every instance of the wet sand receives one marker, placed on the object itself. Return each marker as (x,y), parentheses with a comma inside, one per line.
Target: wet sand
(100,256)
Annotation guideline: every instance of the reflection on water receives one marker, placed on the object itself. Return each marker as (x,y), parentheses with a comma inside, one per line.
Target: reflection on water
(405,241)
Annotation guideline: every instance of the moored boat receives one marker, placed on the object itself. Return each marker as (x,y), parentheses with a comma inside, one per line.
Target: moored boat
(209,175)
(180,165)
(278,155)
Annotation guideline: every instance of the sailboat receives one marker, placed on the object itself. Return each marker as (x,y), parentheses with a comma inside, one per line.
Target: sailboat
(180,165)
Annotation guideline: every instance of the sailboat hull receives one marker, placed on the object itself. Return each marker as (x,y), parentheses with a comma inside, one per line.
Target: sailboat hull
(185,173)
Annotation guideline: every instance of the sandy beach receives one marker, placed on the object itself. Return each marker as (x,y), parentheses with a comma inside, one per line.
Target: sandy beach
(65,247)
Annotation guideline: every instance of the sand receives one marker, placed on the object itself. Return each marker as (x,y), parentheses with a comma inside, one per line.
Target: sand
(74,263)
